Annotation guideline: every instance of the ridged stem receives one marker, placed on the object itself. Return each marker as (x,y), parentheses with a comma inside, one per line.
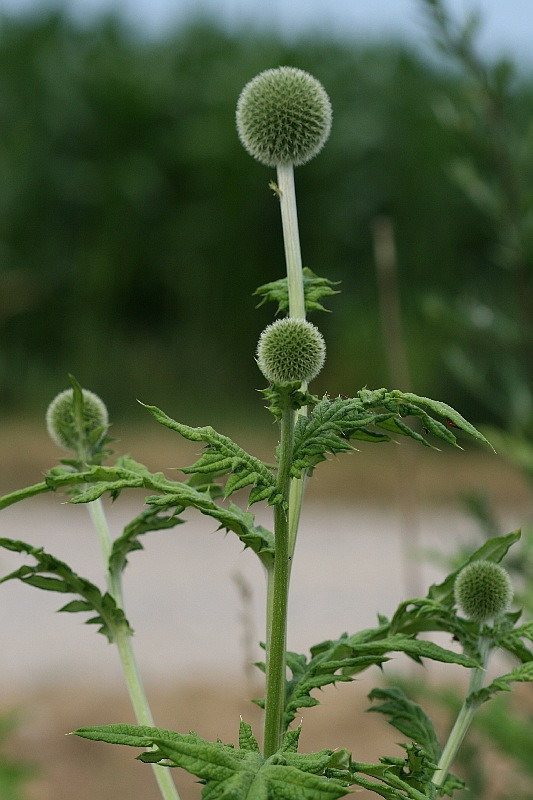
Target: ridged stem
(278,591)
(122,638)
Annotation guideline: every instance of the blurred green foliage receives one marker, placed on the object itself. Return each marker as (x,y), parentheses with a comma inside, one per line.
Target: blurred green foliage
(14,775)
(134,228)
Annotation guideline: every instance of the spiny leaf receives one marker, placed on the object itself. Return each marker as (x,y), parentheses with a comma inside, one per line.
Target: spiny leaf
(247,740)
(233,518)
(443,410)
(224,456)
(239,774)
(414,647)
(291,740)
(131,735)
(340,660)
(315,289)
(152,519)
(526,631)
(331,424)
(395,776)
(51,574)
(407,717)
(522,674)
(423,615)
(174,496)
(256,537)
(22,494)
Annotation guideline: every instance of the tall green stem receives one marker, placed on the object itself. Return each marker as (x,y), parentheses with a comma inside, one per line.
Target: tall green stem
(291,239)
(464,718)
(276,656)
(122,636)
(295,284)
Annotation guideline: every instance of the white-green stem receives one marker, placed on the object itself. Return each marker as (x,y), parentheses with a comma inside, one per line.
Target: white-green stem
(295,285)
(291,239)
(130,669)
(465,716)
(98,517)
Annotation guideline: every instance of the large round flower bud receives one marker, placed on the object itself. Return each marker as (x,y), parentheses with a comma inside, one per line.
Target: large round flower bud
(291,350)
(283,116)
(483,590)
(60,419)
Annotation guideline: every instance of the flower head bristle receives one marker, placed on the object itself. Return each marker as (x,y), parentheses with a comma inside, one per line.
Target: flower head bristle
(283,116)
(290,349)
(61,424)
(483,590)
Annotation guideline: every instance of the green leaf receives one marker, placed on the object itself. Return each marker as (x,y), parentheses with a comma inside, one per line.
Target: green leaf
(511,638)
(239,774)
(152,519)
(233,518)
(222,455)
(340,660)
(315,289)
(443,410)
(492,550)
(415,647)
(318,672)
(173,497)
(424,615)
(131,735)
(521,674)
(23,494)
(331,424)
(247,740)
(394,776)
(256,537)
(407,717)
(51,574)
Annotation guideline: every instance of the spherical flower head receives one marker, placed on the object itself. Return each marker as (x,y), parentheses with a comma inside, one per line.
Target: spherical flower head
(483,590)
(60,418)
(283,117)
(291,350)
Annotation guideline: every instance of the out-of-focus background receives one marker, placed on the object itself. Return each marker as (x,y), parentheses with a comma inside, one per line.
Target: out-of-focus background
(134,229)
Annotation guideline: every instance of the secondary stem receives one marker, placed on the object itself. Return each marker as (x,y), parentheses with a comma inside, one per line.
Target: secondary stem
(276,655)
(464,718)
(130,669)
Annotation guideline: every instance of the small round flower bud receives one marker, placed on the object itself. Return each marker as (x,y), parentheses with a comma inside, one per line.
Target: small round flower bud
(283,117)
(291,350)
(483,590)
(60,418)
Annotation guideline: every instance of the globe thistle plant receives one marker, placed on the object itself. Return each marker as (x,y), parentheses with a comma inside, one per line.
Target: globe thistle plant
(291,350)
(283,119)
(483,590)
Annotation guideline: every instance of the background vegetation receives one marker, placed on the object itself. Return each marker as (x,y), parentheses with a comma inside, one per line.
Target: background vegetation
(131,218)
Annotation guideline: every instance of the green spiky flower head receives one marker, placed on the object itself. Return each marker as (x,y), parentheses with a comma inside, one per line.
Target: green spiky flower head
(283,117)
(62,426)
(291,350)
(483,590)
